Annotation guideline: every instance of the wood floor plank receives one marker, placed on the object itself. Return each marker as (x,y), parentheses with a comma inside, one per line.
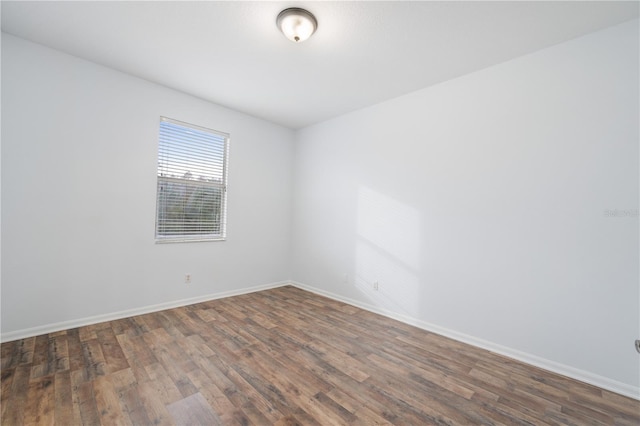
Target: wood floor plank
(125,385)
(108,403)
(193,410)
(153,404)
(66,412)
(5,389)
(15,402)
(40,407)
(18,352)
(239,392)
(282,357)
(7,353)
(83,398)
(94,363)
(114,357)
(214,396)
(136,351)
(74,349)
(164,387)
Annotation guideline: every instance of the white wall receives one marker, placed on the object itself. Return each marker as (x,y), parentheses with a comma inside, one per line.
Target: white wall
(479,206)
(79,146)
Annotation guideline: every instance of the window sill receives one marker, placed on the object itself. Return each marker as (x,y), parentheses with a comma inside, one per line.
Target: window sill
(187,240)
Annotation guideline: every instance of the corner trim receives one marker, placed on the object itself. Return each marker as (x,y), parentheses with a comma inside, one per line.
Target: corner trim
(65,325)
(546,364)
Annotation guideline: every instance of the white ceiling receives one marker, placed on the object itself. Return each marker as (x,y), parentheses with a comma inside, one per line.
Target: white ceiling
(231,53)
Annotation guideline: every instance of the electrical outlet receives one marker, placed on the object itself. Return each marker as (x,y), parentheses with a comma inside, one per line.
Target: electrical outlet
(375,285)
(187,278)
(638,345)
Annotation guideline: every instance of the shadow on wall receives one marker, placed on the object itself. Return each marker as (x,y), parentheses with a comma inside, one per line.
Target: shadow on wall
(388,250)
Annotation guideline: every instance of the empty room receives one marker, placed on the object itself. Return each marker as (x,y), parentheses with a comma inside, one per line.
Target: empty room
(320,213)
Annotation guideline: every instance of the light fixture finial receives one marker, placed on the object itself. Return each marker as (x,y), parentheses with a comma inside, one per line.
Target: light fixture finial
(297,24)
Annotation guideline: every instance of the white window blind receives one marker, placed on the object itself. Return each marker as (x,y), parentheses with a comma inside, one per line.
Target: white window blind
(191,192)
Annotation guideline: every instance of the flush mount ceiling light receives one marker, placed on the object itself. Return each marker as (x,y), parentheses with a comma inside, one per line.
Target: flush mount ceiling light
(296,24)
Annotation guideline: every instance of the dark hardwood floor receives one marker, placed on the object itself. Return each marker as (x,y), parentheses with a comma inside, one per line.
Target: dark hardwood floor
(284,357)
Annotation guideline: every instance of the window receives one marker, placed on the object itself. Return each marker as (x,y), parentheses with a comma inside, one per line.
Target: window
(192,170)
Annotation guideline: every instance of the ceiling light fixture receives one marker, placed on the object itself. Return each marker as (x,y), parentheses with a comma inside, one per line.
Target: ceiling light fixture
(296,24)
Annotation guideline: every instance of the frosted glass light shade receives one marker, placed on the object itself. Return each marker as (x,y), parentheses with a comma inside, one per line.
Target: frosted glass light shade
(296,24)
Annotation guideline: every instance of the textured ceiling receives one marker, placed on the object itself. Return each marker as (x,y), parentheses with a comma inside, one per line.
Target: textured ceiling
(231,53)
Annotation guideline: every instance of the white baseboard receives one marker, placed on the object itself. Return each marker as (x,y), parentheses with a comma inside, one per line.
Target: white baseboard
(65,325)
(555,367)
(552,366)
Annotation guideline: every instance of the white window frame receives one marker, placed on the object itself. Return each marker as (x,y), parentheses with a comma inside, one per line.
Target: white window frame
(167,161)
